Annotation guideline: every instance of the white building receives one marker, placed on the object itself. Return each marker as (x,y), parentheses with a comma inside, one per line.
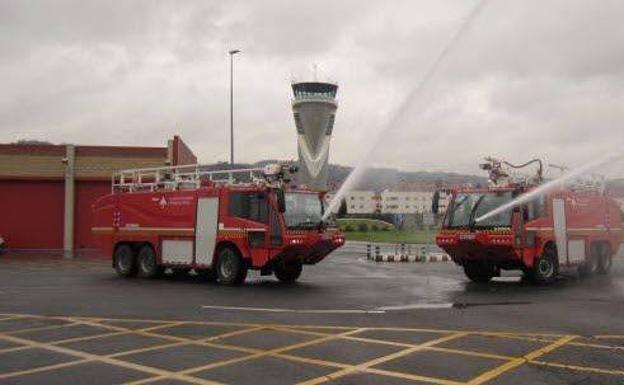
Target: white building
(362,202)
(406,202)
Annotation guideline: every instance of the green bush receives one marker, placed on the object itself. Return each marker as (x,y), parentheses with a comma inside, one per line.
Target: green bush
(374,227)
(348,228)
(362,227)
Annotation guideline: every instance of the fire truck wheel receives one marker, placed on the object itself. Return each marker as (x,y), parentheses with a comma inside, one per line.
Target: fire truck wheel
(288,272)
(605,261)
(231,269)
(545,269)
(124,261)
(478,271)
(147,263)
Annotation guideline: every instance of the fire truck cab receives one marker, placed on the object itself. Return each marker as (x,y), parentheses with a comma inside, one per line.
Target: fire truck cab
(573,227)
(219,223)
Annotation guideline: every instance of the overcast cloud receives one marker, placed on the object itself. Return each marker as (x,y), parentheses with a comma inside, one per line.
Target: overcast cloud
(530,78)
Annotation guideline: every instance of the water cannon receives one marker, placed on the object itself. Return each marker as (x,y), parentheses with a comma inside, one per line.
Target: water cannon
(502,172)
(279,173)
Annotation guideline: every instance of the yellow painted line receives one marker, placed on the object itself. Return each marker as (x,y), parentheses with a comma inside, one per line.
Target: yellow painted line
(596,346)
(14,349)
(99,358)
(471,353)
(404,345)
(40,328)
(267,353)
(10,318)
(377,361)
(491,374)
(580,368)
(610,337)
(412,377)
(43,368)
(180,341)
(382,372)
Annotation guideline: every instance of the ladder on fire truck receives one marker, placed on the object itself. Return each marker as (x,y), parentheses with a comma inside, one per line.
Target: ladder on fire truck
(190,177)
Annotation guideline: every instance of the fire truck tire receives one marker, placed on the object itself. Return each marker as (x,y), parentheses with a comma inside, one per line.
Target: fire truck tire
(606,260)
(288,272)
(546,267)
(147,263)
(231,269)
(479,272)
(124,261)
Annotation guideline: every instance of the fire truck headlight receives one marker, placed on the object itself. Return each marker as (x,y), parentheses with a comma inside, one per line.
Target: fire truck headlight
(296,241)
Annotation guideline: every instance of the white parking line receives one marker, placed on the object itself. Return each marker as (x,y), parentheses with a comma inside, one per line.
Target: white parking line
(301,311)
(417,306)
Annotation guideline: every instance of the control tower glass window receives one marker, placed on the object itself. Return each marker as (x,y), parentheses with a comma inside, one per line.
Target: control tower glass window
(313,89)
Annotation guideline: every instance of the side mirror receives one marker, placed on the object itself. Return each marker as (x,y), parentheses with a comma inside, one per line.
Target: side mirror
(281,200)
(435,203)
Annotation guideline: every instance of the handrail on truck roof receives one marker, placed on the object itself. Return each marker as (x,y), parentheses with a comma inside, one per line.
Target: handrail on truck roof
(189,177)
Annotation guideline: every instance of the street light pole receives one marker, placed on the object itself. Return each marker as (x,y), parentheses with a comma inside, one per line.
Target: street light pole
(232,53)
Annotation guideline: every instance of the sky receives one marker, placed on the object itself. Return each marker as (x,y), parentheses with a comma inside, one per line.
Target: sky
(531,78)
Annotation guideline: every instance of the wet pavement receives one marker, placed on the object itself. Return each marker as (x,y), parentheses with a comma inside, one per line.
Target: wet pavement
(348,321)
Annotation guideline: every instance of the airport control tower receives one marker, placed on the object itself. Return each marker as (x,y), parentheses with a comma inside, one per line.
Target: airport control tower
(314,109)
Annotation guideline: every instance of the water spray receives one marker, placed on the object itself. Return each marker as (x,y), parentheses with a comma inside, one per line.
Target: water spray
(553,184)
(425,81)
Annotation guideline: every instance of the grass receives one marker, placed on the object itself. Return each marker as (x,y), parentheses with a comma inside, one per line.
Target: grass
(415,236)
(355,223)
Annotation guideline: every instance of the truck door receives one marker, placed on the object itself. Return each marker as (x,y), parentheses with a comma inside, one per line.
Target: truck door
(257,227)
(560,228)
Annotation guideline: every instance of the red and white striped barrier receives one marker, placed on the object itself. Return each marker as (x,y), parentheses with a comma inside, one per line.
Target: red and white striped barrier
(432,257)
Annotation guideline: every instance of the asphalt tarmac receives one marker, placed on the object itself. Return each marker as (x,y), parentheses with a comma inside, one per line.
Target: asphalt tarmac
(347,321)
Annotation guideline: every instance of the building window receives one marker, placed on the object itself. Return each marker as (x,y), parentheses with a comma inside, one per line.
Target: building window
(330,125)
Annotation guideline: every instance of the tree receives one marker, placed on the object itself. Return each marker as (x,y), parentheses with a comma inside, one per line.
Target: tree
(342,210)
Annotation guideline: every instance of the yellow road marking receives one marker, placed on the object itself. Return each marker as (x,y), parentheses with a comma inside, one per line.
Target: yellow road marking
(580,368)
(403,345)
(348,333)
(95,357)
(180,341)
(40,328)
(490,374)
(44,368)
(267,353)
(606,336)
(377,361)
(413,377)
(471,353)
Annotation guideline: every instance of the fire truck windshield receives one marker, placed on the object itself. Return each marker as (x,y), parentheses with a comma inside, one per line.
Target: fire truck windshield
(303,210)
(468,206)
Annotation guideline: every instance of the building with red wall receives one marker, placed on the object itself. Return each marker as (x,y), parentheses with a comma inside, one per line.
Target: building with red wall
(46,191)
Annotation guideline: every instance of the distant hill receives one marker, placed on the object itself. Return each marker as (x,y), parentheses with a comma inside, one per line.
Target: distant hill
(379,179)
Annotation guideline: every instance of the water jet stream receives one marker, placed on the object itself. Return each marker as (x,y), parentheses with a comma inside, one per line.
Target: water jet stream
(417,91)
(553,184)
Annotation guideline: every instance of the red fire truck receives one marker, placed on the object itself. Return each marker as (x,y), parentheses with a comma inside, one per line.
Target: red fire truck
(575,227)
(218,223)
